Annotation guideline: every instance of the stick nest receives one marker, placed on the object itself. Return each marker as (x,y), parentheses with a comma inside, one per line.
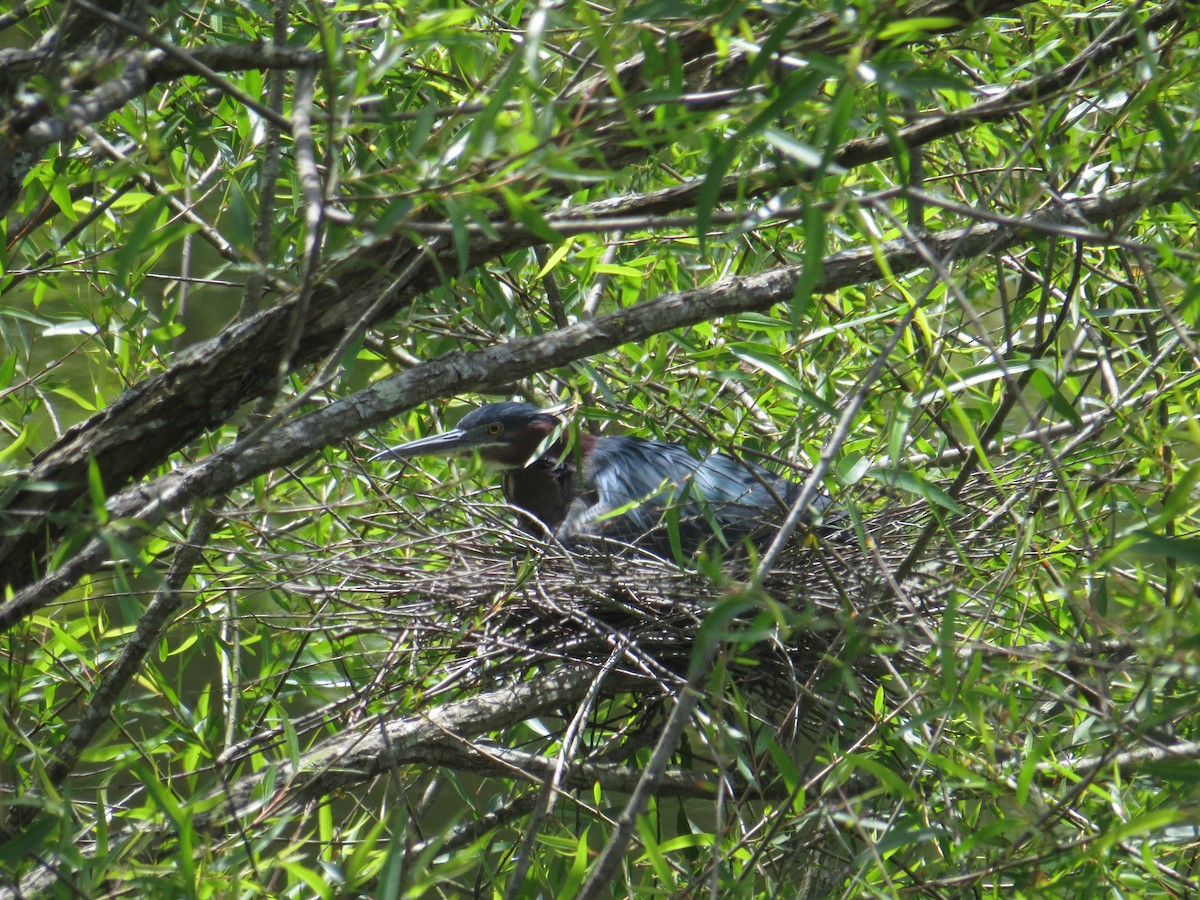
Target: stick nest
(453,607)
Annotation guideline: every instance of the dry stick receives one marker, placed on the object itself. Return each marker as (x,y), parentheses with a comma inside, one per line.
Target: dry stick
(315,216)
(251,304)
(276,80)
(842,431)
(594,293)
(314,209)
(840,434)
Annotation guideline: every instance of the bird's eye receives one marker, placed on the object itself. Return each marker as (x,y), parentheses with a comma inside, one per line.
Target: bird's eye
(495,428)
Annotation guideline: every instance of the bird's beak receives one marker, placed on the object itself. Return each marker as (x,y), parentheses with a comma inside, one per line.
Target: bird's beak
(448,443)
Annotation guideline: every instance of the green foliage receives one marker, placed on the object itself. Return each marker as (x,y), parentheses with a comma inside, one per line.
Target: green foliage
(1021,419)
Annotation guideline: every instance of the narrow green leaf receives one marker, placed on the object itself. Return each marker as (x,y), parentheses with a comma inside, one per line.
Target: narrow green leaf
(915,484)
(653,853)
(916,27)
(579,866)
(981,375)
(391,873)
(1030,765)
(98,494)
(529,216)
(1186,550)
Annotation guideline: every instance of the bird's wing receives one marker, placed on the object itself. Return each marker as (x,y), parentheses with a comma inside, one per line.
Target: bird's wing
(633,482)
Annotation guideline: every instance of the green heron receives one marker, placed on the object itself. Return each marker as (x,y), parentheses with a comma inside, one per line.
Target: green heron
(625,489)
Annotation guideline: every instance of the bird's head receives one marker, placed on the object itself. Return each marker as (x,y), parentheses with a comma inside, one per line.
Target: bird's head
(505,435)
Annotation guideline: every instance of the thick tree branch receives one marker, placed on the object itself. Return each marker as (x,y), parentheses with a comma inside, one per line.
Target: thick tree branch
(353,758)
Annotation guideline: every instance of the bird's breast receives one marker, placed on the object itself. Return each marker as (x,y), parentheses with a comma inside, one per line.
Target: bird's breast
(543,490)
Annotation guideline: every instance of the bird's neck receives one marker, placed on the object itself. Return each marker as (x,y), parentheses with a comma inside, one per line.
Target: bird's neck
(545,488)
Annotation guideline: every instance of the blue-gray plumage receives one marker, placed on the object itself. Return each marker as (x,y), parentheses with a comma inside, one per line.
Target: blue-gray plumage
(624,489)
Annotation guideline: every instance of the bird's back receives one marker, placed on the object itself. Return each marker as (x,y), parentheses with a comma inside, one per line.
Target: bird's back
(637,490)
